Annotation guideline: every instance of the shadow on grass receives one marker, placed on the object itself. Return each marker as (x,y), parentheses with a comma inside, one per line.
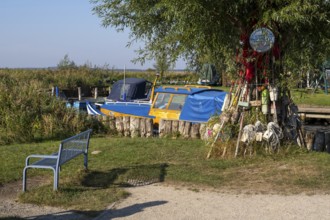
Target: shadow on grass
(126,176)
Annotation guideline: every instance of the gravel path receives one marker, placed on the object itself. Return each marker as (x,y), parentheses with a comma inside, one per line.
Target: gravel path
(167,202)
(160,201)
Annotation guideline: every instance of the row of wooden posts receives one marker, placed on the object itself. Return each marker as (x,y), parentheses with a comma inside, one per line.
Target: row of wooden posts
(130,126)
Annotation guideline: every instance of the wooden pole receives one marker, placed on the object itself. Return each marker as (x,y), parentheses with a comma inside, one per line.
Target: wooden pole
(95,93)
(240,132)
(79,93)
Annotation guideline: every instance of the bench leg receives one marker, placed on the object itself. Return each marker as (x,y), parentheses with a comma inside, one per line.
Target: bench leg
(24,178)
(86,161)
(56,174)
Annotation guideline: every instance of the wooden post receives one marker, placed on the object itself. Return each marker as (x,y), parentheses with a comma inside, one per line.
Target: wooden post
(175,126)
(195,130)
(161,128)
(181,127)
(79,93)
(149,127)
(120,125)
(126,122)
(187,128)
(143,129)
(203,131)
(112,123)
(135,127)
(95,93)
(309,140)
(168,127)
(105,120)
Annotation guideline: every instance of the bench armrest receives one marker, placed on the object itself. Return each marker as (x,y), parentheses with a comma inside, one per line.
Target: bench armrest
(39,156)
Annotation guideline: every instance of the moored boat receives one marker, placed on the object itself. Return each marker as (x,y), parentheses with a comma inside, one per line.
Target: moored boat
(187,103)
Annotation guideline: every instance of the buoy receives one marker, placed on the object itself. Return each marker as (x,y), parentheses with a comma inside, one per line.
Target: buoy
(265,101)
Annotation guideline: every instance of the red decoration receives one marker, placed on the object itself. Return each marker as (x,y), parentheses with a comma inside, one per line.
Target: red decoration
(249,72)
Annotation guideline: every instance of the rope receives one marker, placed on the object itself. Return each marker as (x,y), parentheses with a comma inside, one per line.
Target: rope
(249,134)
(273,135)
(259,127)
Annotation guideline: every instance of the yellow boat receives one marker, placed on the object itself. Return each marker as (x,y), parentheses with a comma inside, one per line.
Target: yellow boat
(188,103)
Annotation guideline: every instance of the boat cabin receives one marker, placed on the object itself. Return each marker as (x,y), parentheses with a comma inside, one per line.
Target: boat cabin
(189,103)
(130,89)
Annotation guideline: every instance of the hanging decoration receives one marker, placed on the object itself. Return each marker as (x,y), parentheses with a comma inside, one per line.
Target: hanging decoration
(262,40)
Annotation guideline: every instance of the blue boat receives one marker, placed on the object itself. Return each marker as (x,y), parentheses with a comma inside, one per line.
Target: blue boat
(187,103)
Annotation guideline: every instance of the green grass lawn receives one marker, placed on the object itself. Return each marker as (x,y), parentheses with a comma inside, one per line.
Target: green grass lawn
(122,162)
(307,97)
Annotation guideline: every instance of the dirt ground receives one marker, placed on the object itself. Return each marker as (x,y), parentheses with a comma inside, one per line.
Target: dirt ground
(162,201)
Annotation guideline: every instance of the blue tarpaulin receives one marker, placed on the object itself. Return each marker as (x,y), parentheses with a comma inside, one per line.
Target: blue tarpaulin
(200,106)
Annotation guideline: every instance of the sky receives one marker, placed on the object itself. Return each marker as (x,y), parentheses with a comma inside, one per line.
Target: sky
(39,33)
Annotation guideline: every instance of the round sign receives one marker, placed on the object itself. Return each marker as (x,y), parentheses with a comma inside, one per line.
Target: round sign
(262,40)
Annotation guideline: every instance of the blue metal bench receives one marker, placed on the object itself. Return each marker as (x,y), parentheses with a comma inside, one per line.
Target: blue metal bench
(69,149)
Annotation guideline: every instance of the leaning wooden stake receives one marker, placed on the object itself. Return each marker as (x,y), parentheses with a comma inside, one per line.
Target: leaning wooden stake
(215,139)
(240,132)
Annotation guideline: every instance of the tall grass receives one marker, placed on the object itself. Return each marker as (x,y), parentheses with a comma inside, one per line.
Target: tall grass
(28,112)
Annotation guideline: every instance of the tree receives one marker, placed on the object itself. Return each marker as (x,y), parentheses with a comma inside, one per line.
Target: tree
(162,64)
(66,63)
(200,29)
